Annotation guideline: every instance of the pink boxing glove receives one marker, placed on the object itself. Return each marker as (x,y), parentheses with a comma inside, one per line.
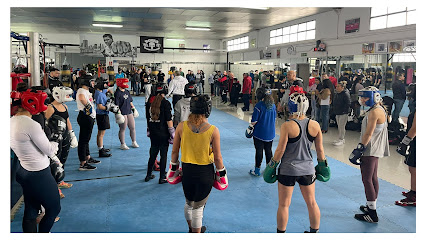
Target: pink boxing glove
(221,179)
(174,175)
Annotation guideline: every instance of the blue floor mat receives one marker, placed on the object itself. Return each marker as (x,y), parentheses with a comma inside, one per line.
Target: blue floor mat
(114,198)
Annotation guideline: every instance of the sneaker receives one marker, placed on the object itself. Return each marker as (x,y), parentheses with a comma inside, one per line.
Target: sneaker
(86,167)
(124,147)
(406,193)
(106,149)
(369,216)
(135,144)
(149,177)
(338,143)
(255,172)
(410,200)
(203,229)
(61,195)
(162,180)
(64,185)
(93,161)
(103,153)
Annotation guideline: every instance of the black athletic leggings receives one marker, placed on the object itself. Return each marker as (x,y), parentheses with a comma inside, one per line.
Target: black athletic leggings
(369,167)
(197,181)
(86,126)
(163,148)
(39,188)
(260,146)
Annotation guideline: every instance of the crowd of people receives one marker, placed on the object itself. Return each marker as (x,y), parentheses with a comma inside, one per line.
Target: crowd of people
(42,145)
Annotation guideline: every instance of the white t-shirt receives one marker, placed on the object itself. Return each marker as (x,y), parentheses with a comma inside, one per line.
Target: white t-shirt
(30,144)
(89,98)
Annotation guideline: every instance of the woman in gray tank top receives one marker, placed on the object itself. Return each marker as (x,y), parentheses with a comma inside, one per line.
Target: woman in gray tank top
(373,145)
(294,151)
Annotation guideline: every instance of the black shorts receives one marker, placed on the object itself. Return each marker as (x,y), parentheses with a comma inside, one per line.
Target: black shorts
(103,121)
(290,181)
(410,160)
(197,181)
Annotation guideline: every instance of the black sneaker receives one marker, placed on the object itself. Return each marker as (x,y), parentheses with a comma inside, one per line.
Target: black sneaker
(93,161)
(162,180)
(103,153)
(106,149)
(149,177)
(370,216)
(203,229)
(86,167)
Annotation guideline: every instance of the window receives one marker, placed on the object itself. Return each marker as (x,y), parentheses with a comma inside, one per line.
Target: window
(392,17)
(240,43)
(404,57)
(298,32)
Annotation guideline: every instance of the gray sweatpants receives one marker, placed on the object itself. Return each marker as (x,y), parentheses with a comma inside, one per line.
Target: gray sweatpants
(129,121)
(341,124)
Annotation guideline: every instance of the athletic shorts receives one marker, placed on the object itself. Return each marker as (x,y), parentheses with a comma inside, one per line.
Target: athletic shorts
(410,160)
(290,181)
(102,120)
(197,181)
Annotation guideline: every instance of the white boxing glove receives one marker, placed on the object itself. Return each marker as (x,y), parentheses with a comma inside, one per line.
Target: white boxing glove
(174,175)
(74,141)
(56,159)
(55,147)
(119,118)
(135,112)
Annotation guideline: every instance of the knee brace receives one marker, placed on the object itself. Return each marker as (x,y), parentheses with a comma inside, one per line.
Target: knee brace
(188,211)
(197,217)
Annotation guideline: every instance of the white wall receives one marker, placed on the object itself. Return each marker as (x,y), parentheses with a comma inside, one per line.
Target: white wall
(331,30)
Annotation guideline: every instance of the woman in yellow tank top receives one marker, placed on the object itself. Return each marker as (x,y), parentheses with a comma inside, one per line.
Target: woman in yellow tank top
(200,144)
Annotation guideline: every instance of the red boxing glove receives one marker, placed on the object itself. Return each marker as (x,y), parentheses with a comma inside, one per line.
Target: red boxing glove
(221,179)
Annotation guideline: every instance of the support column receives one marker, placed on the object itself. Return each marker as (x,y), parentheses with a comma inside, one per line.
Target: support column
(34,61)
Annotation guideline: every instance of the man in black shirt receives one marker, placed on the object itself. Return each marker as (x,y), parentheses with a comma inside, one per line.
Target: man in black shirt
(160,76)
(54,79)
(399,95)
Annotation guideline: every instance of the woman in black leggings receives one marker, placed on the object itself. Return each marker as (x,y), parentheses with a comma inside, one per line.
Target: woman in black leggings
(30,144)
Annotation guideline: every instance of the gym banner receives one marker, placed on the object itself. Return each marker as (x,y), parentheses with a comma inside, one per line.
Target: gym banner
(108,45)
(152,44)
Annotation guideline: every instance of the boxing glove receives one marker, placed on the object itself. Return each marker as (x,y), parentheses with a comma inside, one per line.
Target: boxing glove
(404,146)
(119,118)
(249,131)
(172,134)
(114,108)
(221,179)
(147,132)
(135,112)
(57,126)
(356,154)
(88,109)
(322,171)
(174,175)
(74,142)
(270,173)
(108,105)
(56,169)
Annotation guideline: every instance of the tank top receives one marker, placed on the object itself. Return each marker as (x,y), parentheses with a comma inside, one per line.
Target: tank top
(379,143)
(196,146)
(64,115)
(297,158)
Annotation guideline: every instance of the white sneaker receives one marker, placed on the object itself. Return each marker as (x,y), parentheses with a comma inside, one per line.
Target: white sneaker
(124,147)
(135,145)
(339,143)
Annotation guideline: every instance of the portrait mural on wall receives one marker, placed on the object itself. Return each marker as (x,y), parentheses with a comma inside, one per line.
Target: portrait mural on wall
(108,46)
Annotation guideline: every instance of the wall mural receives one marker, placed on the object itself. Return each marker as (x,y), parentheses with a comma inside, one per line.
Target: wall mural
(108,45)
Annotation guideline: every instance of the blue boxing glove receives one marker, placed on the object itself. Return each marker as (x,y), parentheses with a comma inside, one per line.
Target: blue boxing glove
(249,131)
(356,154)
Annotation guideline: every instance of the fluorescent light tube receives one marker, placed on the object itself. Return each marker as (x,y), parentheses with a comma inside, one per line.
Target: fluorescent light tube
(175,39)
(106,25)
(197,28)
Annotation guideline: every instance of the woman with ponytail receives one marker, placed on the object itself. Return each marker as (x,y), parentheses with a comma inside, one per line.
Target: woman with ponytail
(263,122)
(160,131)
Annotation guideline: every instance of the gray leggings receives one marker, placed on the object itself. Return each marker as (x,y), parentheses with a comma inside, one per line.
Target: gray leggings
(369,166)
(129,121)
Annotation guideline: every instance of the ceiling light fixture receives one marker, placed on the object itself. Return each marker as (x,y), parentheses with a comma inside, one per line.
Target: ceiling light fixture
(175,39)
(106,25)
(198,28)
(258,8)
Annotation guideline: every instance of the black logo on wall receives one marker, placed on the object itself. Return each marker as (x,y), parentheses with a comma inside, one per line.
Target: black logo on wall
(152,44)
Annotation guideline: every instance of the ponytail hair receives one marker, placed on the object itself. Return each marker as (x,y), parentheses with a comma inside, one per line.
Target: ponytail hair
(269,101)
(155,107)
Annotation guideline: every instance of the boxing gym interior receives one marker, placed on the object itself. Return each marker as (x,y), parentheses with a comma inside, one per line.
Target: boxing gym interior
(371,49)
